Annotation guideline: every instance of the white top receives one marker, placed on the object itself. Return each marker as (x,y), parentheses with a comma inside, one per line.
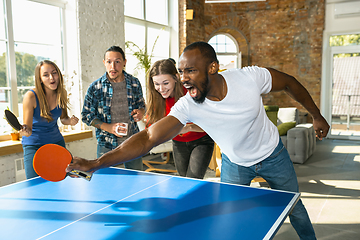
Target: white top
(238,123)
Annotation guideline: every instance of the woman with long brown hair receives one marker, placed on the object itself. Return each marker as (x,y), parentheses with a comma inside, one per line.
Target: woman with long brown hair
(192,148)
(42,107)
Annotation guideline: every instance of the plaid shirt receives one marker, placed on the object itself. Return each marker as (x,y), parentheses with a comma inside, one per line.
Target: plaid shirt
(97,105)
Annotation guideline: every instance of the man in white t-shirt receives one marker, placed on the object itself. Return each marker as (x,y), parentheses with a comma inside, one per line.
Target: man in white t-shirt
(228,106)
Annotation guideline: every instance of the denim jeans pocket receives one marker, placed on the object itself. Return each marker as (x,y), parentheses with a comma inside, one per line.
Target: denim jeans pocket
(278,150)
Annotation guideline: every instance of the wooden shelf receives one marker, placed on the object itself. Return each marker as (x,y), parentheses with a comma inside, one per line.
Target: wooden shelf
(10,147)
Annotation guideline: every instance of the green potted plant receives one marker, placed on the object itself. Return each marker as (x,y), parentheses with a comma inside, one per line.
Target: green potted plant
(141,55)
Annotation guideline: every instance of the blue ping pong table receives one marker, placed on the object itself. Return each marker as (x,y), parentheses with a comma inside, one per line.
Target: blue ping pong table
(125,204)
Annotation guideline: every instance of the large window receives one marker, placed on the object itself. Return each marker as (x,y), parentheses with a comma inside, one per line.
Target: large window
(345,92)
(226,50)
(149,25)
(29,32)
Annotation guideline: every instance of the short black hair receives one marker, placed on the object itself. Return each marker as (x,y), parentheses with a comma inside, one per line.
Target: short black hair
(206,50)
(115,49)
(172,60)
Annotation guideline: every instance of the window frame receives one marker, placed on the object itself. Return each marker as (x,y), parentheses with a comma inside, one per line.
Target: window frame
(9,41)
(171,28)
(236,54)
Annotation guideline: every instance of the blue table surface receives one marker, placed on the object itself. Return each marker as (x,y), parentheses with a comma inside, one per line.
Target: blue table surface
(125,204)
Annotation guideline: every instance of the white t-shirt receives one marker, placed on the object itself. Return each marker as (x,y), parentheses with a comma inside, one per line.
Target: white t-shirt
(238,123)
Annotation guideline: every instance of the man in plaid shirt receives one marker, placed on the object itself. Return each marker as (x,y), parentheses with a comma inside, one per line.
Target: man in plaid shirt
(113,104)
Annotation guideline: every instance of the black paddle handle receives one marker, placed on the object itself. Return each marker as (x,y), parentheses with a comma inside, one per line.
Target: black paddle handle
(85,175)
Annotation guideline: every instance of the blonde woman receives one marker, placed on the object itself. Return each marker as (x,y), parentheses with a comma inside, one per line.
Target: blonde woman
(42,107)
(192,149)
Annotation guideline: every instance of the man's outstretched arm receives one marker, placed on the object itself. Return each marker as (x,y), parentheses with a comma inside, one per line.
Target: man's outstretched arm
(136,146)
(282,81)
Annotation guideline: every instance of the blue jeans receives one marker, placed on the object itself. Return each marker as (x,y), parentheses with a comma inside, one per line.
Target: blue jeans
(192,158)
(135,164)
(279,173)
(29,152)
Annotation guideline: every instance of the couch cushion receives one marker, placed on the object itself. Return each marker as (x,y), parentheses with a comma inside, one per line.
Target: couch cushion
(271,112)
(284,127)
(288,115)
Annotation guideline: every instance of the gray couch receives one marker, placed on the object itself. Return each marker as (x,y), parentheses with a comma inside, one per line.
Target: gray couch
(300,141)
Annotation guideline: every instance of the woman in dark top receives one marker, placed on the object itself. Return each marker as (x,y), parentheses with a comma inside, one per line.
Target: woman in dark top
(42,107)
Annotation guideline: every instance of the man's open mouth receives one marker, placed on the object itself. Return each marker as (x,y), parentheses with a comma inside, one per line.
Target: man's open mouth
(192,90)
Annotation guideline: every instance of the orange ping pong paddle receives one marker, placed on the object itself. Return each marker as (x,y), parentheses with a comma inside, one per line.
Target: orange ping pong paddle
(12,120)
(50,162)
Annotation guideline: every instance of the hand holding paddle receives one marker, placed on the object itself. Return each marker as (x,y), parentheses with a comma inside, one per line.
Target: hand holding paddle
(50,162)
(83,165)
(14,123)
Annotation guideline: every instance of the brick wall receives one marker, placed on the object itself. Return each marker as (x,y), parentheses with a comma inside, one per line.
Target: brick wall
(191,30)
(100,25)
(285,35)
